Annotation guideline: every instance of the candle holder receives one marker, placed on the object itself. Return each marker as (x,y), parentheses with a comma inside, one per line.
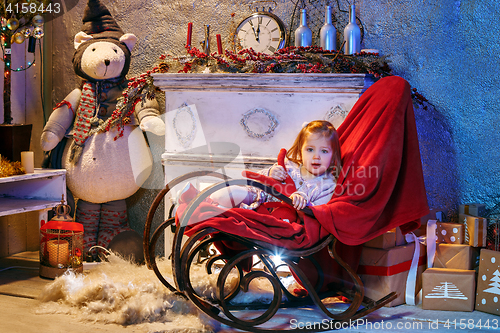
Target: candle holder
(61,244)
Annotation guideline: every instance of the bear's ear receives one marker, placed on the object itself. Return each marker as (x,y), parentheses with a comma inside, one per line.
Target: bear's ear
(129,40)
(80,38)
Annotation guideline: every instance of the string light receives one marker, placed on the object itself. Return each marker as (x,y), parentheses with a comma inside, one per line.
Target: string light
(22,68)
(11,29)
(29,64)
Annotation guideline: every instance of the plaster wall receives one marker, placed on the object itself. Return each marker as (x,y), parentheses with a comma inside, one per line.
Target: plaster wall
(447,49)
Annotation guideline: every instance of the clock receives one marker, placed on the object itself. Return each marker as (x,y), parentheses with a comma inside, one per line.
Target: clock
(262,31)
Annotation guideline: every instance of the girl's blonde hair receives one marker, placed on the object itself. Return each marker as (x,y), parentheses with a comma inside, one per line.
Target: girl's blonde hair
(326,129)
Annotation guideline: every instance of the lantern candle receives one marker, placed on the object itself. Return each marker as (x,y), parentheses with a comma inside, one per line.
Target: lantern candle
(58,252)
(190,32)
(27,161)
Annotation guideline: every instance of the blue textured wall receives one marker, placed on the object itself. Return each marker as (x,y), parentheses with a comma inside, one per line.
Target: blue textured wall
(448,50)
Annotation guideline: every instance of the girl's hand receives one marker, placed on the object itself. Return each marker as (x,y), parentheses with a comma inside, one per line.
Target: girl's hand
(298,201)
(277,172)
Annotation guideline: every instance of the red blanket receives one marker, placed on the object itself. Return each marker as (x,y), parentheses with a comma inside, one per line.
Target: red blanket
(381,186)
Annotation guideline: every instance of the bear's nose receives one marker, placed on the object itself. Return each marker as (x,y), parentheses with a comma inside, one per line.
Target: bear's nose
(107,62)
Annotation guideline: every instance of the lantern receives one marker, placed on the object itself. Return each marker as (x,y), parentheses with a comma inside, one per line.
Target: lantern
(61,244)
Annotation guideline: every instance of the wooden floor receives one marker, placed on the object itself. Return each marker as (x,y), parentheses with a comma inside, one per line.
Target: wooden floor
(20,284)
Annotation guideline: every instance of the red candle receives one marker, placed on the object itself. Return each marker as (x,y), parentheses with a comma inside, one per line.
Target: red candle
(190,32)
(219,44)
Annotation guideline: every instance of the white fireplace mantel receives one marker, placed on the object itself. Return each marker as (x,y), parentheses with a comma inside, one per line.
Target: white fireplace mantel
(260,113)
(269,82)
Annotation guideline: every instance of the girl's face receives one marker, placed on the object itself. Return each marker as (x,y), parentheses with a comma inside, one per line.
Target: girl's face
(316,154)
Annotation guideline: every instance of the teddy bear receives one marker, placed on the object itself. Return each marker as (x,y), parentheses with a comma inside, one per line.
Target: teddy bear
(104,151)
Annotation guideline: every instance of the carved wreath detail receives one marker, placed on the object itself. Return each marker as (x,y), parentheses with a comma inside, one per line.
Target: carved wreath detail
(255,121)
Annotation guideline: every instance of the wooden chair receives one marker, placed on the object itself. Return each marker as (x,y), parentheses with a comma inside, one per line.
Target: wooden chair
(184,254)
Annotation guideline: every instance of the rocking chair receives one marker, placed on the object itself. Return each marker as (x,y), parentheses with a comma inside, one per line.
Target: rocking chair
(396,198)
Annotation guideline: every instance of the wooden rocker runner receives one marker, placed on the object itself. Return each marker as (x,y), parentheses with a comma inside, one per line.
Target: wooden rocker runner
(321,246)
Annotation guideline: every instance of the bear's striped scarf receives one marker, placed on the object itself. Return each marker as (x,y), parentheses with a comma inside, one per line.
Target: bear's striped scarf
(86,115)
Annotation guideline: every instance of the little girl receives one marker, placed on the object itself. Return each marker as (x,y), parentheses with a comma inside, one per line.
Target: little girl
(313,163)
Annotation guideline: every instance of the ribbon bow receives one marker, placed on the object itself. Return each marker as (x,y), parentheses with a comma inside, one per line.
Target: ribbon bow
(430,241)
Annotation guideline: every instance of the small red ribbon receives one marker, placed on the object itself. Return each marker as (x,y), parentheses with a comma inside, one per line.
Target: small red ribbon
(64,102)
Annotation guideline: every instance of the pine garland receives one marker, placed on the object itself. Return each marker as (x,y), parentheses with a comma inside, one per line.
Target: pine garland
(139,89)
(311,59)
(292,59)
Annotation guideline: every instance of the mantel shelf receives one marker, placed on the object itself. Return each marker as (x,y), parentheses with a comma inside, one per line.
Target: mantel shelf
(268,82)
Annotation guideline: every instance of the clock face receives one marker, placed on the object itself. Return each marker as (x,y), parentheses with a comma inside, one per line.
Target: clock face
(263,32)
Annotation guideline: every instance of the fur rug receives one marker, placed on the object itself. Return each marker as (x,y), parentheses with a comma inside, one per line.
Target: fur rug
(123,293)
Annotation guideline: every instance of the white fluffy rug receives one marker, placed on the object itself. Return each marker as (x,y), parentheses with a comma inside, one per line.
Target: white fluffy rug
(123,293)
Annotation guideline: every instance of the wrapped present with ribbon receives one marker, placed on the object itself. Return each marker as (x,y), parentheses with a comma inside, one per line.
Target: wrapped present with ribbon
(488,282)
(475,230)
(454,256)
(474,209)
(448,289)
(384,241)
(451,233)
(437,214)
(395,269)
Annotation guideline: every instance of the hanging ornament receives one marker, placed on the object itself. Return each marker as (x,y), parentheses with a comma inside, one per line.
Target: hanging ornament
(27,32)
(12,23)
(18,38)
(4,22)
(38,20)
(38,33)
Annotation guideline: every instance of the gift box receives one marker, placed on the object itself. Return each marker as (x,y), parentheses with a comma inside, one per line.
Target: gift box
(493,236)
(454,256)
(451,233)
(384,241)
(475,230)
(474,209)
(488,282)
(400,238)
(386,270)
(437,214)
(448,289)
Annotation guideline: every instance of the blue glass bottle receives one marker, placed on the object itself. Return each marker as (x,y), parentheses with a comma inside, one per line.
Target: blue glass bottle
(303,35)
(352,34)
(328,33)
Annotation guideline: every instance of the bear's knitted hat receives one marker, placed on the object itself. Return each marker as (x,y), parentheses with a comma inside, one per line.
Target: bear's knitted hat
(98,22)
